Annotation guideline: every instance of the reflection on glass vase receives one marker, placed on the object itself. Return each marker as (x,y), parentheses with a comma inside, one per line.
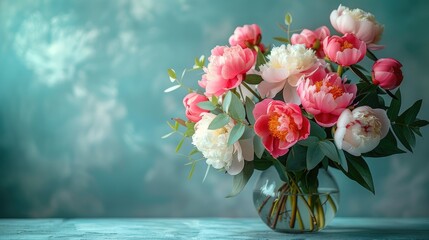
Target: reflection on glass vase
(292,207)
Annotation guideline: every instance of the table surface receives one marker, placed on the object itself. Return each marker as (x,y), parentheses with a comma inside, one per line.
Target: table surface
(206,228)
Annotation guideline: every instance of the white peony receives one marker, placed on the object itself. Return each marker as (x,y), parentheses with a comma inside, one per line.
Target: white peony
(284,68)
(358,22)
(213,144)
(360,131)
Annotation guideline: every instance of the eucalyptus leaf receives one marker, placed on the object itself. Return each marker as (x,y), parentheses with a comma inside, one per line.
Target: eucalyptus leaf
(240,180)
(281,39)
(219,121)
(206,105)
(260,60)
(236,133)
(288,19)
(258,146)
(296,160)
(236,108)
(316,130)
(250,105)
(314,156)
(170,89)
(171,74)
(328,148)
(226,102)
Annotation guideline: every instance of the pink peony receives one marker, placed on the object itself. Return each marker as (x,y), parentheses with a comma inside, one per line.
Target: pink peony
(387,73)
(193,112)
(247,35)
(346,50)
(280,125)
(326,96)
(226,69)
(312,39)
(358,22)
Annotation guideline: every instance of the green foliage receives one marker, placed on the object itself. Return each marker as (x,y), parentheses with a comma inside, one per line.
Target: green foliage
(236,108)
(172,74)
(258,146)
(317,131)
(219,121)
(207,105)
(281,39)
(359,172)
(288,19)
(236,133)
(371,55)
(227,101)
(387,146)
(260,59)
(296,159)
(250,105)
(253,79)
(240,180)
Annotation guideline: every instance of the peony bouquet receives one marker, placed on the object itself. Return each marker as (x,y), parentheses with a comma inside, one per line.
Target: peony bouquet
(304,105)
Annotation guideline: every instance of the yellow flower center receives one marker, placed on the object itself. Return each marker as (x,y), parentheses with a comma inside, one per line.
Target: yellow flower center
(346,45)
(280,125)
(335,90)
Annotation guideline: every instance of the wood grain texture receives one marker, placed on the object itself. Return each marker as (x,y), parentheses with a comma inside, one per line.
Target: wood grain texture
(205,228)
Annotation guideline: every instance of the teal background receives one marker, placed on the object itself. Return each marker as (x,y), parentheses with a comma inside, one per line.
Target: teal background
(82,108)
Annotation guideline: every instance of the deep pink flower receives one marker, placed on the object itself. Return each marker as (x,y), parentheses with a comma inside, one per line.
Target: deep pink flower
(193,112)
(226,69)
(312,39)
(326,97)
(346,50)
(247,35)
(280,125)
(387,73)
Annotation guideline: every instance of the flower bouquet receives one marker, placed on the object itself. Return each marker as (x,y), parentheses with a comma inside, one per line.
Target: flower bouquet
(297,109)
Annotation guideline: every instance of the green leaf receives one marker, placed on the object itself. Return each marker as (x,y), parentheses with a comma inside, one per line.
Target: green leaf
(253,79)
(359,172)
(258,146)
(309,141)
(170,89)
(167,135)
(281,170)
(219,121)
(240,180)
(236,133)
(288,19)
(260,59)
(420,123)
(395,106)
(409,116)
(180,144)
(281,39)
(172,74)
(296,160)
(194,151)
(359,73)
(248,133)
(328,148)
(250,105)
(314,156)
(387,146)
(227,101)
(405,136)
(236,108)
(316,130)
(207,105)
(190,130)
(371,55)
(343,160)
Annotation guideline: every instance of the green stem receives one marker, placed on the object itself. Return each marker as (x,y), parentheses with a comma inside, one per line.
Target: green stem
(320,212)
(252,91)
(293,204)
(340,70)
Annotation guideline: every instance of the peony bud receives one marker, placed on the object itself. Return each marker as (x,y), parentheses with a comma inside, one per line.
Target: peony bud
(193,112)
(387,73)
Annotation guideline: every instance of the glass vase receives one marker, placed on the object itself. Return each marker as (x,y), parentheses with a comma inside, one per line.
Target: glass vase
(287,207)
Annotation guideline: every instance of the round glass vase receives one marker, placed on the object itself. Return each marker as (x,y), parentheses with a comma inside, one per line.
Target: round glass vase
(286,207)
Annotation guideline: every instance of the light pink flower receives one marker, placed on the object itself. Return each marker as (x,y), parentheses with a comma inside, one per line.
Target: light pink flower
(326,97)
(312,39)
(358,22)
(280,125)
(193,112)
(360,131)
(226,69)
(346,50)
(247,35)
(387,73)
(285,67)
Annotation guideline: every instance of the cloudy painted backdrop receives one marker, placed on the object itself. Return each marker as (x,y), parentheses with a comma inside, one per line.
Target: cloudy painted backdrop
(82,108)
